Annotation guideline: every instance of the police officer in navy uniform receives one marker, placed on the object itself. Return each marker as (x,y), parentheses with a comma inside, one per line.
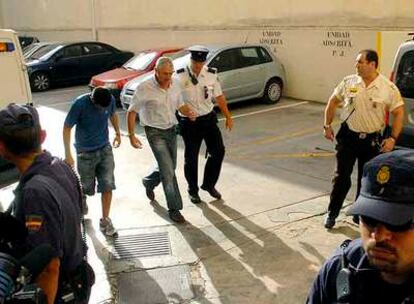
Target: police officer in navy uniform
(47,200)
(378,267)
(200,88)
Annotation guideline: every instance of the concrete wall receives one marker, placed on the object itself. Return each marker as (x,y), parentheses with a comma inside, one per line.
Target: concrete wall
(317,40)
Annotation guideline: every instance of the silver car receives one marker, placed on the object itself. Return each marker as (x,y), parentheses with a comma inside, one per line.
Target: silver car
(244,71)
(403,76)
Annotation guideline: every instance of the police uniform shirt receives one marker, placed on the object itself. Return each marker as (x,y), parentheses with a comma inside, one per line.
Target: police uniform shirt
(200,96)
(49,221)
(370,102)
(156,106)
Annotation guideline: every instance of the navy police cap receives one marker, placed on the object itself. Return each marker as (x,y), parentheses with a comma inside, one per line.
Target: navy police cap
(198,53)
(387,190)
(18,117)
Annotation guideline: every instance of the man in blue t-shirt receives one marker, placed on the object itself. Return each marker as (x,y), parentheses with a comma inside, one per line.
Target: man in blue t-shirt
(95,161)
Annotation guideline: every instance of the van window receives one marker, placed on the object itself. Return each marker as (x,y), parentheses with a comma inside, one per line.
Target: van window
(405,75)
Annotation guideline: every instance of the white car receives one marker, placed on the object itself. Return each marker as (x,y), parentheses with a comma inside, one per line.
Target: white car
(245,72)
(403,76)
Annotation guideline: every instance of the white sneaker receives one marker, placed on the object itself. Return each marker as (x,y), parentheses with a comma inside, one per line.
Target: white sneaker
(107,228)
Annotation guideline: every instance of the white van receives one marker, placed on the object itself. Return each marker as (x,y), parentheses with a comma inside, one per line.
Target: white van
(403,76)
(14,87)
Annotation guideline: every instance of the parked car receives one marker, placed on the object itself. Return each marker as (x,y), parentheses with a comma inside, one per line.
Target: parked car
(25,41)
(72,62)
(115,79)
(403,76)
(245,72)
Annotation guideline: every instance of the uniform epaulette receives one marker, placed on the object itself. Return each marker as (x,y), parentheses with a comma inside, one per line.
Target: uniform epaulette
(212,70)
(180,71)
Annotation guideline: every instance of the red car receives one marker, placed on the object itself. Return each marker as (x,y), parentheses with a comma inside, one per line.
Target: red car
(115,79)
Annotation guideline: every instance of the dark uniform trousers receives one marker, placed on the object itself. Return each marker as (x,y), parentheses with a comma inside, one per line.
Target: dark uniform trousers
(351,146)
(194,132)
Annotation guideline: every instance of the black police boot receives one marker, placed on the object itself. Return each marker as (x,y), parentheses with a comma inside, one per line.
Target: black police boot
(212,191)
(329,222)
(194,197)
(149,192)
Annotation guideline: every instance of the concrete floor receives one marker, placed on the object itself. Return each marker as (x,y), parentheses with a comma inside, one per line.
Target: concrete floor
(262,243)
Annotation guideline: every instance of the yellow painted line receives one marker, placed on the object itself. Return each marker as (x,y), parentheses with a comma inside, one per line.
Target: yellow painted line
(273,139)
(379,49)
(283,155)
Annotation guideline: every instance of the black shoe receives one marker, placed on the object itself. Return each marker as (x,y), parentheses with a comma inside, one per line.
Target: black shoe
(176,216)
(329,222)
(194,198)
(212,191)
(150,193)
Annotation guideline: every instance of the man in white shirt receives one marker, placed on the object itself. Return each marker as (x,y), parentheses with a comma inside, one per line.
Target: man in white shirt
(156,100)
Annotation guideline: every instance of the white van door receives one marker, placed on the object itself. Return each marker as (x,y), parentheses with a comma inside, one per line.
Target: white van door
(14,81)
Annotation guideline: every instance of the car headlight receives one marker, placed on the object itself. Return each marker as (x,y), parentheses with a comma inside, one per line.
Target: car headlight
(110,85)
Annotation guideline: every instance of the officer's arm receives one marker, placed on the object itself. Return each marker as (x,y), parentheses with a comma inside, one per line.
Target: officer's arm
(222,104)
(66,142)
(330,110)
(329,116)
(48,280)
(398,121)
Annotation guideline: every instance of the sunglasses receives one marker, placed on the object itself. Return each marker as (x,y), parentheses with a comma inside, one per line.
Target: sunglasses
(373,223)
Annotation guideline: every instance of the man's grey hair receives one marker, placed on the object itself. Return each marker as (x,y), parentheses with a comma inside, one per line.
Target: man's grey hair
(163,61)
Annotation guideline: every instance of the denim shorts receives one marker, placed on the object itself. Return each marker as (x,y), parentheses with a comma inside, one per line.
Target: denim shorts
(97,166)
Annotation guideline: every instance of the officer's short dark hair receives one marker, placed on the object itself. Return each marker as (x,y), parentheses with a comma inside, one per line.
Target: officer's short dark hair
(20,129)
(370,56)
(101,96)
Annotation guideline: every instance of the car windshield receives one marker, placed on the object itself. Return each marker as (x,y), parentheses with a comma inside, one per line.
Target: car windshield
(31,49)
(140,62)
(44,52)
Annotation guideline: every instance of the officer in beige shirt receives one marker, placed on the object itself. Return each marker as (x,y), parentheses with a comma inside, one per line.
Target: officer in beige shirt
(366,97)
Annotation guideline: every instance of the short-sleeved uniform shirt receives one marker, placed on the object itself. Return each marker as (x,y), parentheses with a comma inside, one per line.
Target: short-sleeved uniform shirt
(50,209)
(200,96)
(91,123)
(156,106)
(370,103)
(367,284)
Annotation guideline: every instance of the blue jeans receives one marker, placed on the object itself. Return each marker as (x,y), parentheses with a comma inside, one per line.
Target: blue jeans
(163,144)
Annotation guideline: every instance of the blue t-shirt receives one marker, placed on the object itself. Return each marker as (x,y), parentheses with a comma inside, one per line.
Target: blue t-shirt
(91,123)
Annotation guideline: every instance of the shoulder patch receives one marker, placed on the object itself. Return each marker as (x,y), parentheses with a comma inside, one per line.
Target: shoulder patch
(34,222)
(180,71)
(212,70)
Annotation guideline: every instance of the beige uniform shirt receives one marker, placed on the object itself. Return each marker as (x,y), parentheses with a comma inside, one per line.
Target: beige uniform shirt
(200,96)
(370,103)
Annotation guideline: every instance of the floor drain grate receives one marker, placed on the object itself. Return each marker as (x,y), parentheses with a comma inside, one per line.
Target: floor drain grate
(141,245)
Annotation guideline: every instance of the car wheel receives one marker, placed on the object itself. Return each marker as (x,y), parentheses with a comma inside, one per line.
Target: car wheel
(40,82)
(273,91)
